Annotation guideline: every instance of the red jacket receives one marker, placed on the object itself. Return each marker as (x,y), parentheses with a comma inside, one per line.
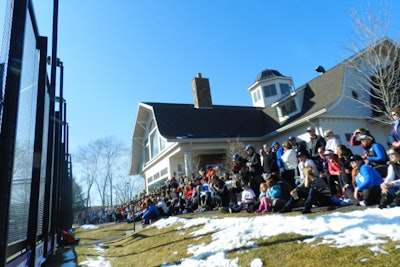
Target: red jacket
(333,166)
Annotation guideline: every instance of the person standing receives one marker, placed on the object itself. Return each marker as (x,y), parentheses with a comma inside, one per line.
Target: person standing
(315,141)
(298,146)
(277,149)
(374,152)
(331,141)
(395,127)
(269,161)
(354,141)
(289,161)
(255,169)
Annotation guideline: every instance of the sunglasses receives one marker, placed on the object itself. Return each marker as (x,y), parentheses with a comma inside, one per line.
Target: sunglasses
(392,154)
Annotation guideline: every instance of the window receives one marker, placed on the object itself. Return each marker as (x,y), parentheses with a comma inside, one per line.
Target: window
(164,171)
(285,88)
(269,90)
(154,143)
(348,136)
(256,96)
(163,143)
(147,151)
(287,108)
(180,167)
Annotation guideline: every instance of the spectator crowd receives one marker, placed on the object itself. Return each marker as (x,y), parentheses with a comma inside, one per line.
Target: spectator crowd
(316,172)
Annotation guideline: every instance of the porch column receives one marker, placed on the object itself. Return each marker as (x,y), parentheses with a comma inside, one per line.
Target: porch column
(188,163)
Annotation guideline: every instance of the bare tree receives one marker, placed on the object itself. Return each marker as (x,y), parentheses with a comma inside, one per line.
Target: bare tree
(101,163)
(136,185)
(233,148)
(88,162)
(114,155)
(375,64)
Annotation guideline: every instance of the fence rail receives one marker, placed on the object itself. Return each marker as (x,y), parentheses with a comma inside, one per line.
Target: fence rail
(35,170)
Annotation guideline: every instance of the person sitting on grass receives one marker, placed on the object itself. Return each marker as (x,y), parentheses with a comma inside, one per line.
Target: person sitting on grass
(314,191)
(221,192)
(390,194)
(367,190)
(274,190)
(150,213)
(264,201)
(248,199)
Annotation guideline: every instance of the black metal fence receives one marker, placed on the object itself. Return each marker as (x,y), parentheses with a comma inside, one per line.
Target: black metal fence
(35,173)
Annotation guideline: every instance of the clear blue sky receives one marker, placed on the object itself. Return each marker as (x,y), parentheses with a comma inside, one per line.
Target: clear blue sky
(119,53)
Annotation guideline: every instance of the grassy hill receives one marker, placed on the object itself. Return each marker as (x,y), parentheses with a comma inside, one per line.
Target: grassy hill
(150,246)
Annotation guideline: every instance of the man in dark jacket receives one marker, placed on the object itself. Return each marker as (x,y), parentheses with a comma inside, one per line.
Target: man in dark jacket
(221,191)
(299,146)
(270,164)
(315,142)
(255,169)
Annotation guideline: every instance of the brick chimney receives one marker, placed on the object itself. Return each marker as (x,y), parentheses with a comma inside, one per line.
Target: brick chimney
(201,92)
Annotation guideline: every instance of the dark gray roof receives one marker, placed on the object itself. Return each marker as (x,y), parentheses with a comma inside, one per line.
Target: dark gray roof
(185,121)
(319,93)
(268,74)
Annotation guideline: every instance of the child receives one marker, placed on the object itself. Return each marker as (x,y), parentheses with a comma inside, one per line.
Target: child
(248,199)
(272,191)
(265,202)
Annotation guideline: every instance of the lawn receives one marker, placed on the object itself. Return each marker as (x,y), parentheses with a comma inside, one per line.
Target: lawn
(151,246)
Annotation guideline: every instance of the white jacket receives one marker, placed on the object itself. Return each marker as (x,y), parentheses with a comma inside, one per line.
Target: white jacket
(289,159)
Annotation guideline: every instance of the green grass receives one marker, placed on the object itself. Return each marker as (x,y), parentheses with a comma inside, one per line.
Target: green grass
(153,247)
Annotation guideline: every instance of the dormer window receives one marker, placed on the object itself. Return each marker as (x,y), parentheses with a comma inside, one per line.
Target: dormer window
(269,90)
(287,108)
(285,88)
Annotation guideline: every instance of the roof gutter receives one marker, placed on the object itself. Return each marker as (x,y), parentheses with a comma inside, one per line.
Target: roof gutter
(296,123)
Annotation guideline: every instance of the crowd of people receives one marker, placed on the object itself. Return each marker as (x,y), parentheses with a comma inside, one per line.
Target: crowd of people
(318,171)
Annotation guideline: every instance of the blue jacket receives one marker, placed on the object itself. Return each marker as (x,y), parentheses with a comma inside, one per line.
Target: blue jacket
(151,211)
(279,154)
(395,137)
(377,154)
(274,191)
(367,177)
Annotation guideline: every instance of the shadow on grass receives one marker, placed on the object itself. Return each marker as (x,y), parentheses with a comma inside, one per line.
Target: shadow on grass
(136,237)
(282,241)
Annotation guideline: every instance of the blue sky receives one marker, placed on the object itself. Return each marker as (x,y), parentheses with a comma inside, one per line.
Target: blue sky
(119,53)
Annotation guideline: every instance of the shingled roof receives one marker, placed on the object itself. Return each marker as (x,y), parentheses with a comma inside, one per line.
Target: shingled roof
(181,121)
(184,121)
(319,94)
